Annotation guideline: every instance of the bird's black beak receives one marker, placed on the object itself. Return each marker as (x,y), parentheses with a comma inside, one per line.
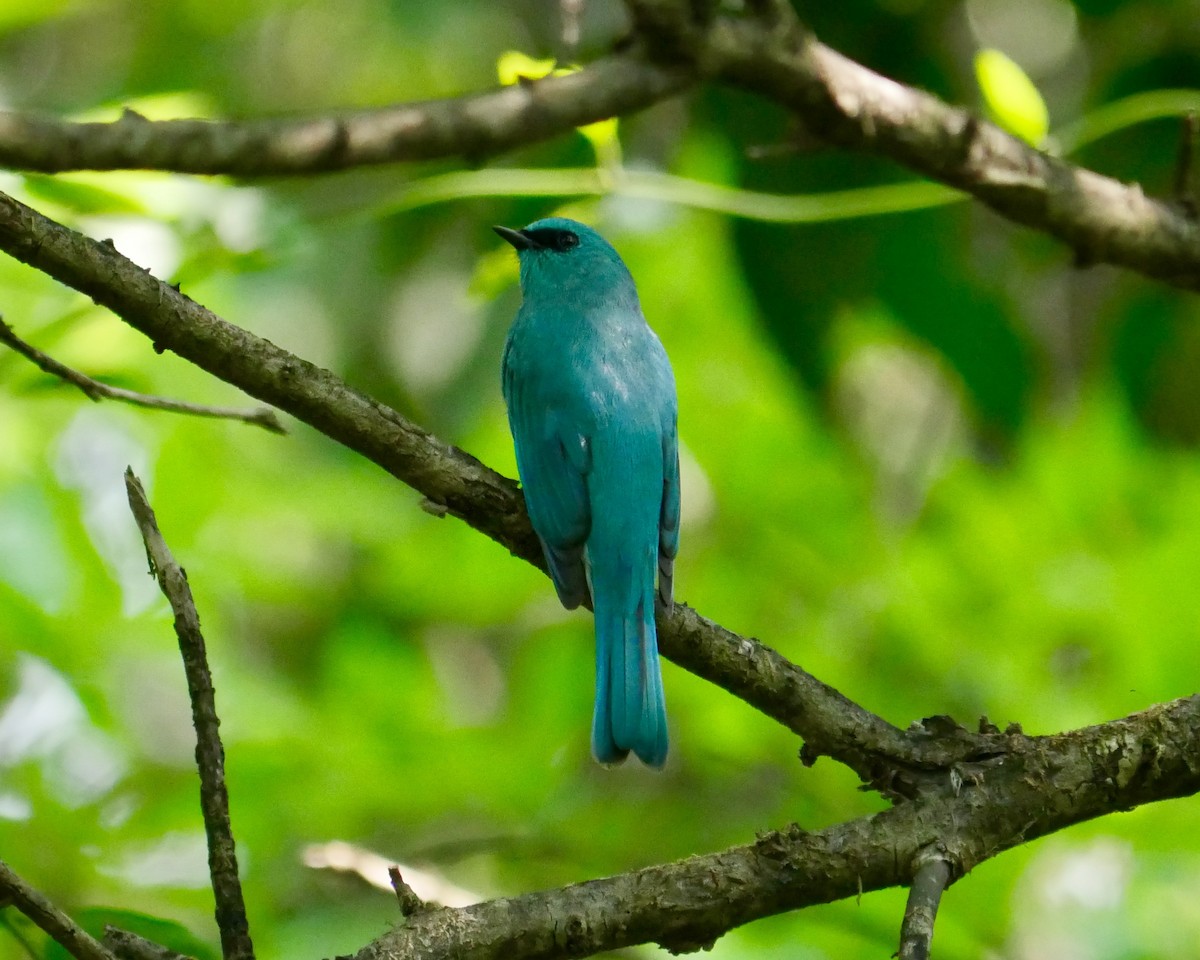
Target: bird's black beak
(518,238)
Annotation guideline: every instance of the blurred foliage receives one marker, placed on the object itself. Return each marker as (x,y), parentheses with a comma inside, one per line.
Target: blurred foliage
(925,458)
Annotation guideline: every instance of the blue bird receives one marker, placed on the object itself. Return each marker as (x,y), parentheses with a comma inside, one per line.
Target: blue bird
(592,409)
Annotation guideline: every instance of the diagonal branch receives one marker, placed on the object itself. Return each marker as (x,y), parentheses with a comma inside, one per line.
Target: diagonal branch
(210,754)
(95,390)
(457,482)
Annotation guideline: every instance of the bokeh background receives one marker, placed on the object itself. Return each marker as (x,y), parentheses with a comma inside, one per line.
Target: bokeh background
(925,457)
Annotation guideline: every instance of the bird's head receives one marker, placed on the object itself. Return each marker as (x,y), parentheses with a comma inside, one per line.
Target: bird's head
(561,257)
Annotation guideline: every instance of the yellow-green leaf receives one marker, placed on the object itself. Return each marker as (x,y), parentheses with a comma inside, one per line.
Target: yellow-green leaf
(512,65)
(1012,99)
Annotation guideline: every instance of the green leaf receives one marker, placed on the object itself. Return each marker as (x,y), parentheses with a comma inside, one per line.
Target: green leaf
(1011,98)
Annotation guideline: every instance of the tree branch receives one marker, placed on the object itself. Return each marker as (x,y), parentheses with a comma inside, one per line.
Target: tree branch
(61,928)
(130,946)
(686,905)
(473,127)
(850,106)
(210,754)
(831,724)
(95,390)
(928,884)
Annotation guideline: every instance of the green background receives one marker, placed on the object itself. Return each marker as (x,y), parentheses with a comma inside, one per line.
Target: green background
(924,457)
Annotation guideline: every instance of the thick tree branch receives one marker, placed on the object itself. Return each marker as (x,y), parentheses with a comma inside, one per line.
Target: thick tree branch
(450,478)
(73,938)
(1042,785)
(473,127)
(210,753)
(846,104)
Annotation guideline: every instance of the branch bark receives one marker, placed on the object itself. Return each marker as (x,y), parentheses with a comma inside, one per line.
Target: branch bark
(929,882)
(846,104)
(473,127)
(210,753)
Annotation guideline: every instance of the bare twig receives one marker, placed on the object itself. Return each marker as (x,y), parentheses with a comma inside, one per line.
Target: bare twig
(65,931)
(210,754)
(929,881)
(129,946)
(410,903)
(95,390)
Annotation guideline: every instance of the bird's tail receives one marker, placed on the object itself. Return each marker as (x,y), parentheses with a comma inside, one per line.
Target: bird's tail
(630,713)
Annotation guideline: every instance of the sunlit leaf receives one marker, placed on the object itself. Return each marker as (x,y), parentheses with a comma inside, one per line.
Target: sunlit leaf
(513,66)
(1011,98)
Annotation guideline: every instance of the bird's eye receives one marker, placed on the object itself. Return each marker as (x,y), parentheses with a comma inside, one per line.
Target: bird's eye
(567,240)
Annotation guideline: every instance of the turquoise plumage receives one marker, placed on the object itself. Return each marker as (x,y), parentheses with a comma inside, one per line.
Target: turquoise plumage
(592,408)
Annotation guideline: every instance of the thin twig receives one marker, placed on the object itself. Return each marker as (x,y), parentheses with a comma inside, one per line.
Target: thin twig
(73,938)
(129,946)
(95,390)
(210,754)
(916,933)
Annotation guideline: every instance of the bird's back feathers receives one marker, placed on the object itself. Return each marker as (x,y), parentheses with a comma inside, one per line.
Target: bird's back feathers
(591,403)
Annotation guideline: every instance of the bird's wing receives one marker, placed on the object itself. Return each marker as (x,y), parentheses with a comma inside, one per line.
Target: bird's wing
(554,460)
(668,521)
